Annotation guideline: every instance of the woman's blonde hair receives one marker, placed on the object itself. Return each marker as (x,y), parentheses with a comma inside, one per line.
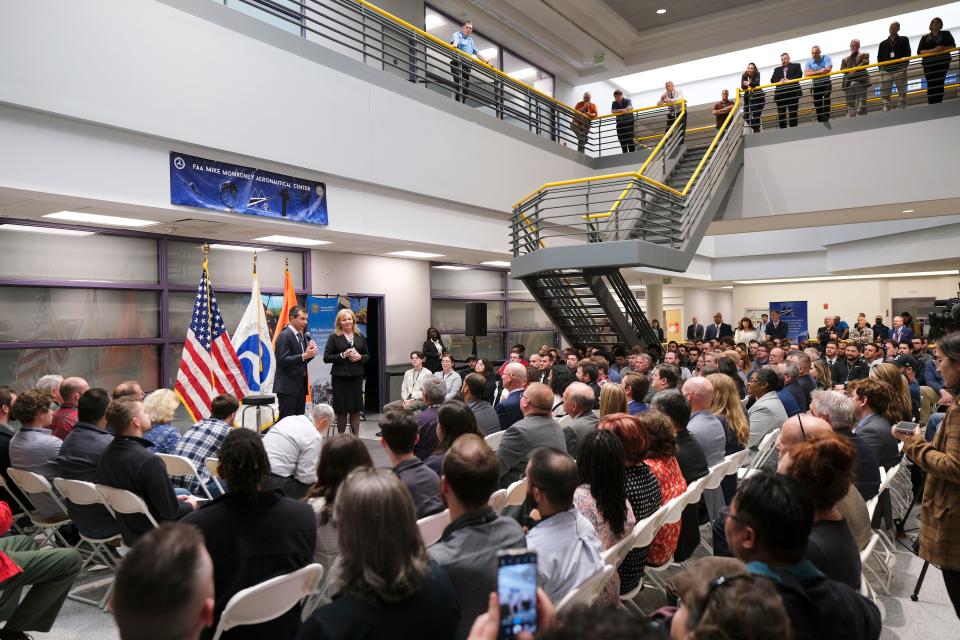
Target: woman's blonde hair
(343,313)
(160,406)
(824,378)
(726,403)
(890,373)
(613,399)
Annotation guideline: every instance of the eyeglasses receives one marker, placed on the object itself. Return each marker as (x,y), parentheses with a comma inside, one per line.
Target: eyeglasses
(725,513)
(803,434)
(718,582)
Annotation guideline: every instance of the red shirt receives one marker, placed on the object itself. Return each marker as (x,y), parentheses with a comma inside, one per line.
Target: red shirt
(8,567)
(672,484)
(63,420)
(721,116)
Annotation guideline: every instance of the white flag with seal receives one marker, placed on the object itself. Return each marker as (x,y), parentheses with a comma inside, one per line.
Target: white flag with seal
(252,343)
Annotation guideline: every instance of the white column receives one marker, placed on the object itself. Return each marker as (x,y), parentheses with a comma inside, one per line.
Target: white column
(655,303)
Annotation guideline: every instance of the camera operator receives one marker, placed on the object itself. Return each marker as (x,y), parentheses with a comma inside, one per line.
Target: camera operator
(940,459)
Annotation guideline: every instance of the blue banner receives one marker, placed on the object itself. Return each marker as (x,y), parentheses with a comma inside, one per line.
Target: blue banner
(321,314)
(208,184)
(795,315)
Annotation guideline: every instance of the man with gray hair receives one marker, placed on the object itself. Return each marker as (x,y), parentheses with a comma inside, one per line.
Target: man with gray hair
(293,448)
(578,401)
(51,382)
(536,429)
(789,401)
(838,410)
(806,382)
(434,393)
(856,83)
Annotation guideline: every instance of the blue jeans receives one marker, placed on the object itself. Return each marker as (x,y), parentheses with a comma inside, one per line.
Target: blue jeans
(932,425)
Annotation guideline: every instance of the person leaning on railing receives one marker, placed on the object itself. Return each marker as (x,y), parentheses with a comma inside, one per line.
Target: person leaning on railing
(819,67)
(894,48)
(788,95)
(753,101)
(586,112)
(673,97)
(625,121)
(458,66)
(856,83)
(935,67)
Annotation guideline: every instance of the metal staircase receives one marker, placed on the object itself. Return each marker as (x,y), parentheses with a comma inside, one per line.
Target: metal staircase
(570,239)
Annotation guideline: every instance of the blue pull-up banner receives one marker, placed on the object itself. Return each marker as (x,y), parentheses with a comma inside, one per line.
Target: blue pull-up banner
(209,184)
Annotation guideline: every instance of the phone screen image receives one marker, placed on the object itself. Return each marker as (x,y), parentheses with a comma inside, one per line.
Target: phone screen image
(517,591)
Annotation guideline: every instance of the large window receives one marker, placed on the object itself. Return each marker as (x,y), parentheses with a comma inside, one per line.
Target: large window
(512,316)
(112,306)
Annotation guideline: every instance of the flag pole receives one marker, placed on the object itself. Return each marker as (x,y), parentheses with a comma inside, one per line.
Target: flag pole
(206,272)
(259,302)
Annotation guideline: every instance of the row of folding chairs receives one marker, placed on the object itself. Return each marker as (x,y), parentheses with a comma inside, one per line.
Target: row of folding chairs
(431,527)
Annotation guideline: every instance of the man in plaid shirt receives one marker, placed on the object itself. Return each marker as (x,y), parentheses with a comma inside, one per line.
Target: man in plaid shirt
(203,440)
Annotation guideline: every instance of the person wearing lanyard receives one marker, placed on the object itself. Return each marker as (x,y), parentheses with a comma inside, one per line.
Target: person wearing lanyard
(411,389)
(459,68)
(819,67)
(894,73)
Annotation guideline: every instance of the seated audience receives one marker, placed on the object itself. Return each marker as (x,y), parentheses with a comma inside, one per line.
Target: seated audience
(708,432)
(767,526)
(636,386)
(66,416)
(514,381)
(411,389)
(204,439)
(589,373)
(79,459)
(399,437)
(824,466)
(567,546)
(161,405)
(792,388)
(718,596)
(690,456)
(578,403)
(51,384)
(474,386)
(394,592)
(664,376)
(602,496)
(838,410)
(804,379)
(426,419)
(767,412)
(127,463)
(293,448)
(561,377)
(901,404)
(128,388)
(613,399)
(872,400)
(468,548)
(34,447)
(164,586)
(454,419)
(536,429)
(340,455)
(49,574)
(451,379)
(656,443)
(253,534)
(7,397)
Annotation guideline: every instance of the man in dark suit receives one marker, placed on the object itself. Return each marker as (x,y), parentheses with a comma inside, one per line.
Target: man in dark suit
(719,329)
(870,401)
(293,351)
(514,381)
(775,328)
(787,97)
(900,332)
(694,331)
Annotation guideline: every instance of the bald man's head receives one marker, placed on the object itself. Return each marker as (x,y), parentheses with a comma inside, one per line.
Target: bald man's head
(537,399)
(72,388)
(799,428)
(514,376)
(699,393)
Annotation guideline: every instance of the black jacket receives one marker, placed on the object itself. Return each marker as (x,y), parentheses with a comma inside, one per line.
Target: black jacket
(778,331)
(431,358)
(899,49)
(790,91)
(844,373)
(341,366)
(693,466)
(291,377)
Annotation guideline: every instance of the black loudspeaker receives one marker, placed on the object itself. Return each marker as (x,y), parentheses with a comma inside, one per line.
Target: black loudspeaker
(476,319)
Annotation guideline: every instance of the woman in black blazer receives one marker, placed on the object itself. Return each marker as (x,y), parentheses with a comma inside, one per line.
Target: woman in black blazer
(490,381)
(753,101)
(347,353)
(433,349)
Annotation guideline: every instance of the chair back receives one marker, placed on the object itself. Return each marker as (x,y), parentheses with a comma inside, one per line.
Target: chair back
(647,529)
(615,554)
(716,475)
(31,483)
(497,498)
(872,505)
(125,502)
(213,468)
(737,460)
(765,449)
(694,491)
(493,440)
(887,477)
(588,591)
(516,494)
(181,466)
(79,492)
(431,527)
(269,599)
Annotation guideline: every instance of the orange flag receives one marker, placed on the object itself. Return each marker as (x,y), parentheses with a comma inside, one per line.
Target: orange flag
(289,302)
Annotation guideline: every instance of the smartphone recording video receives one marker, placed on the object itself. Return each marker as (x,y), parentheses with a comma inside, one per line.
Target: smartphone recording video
(517,591)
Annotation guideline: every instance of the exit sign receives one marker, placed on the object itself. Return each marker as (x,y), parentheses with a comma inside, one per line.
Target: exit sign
(599,58)
(668,281)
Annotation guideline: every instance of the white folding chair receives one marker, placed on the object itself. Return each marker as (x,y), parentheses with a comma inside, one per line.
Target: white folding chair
(737,460)
(125,502)
(674,512)
(81,493)
(764,451)
(867,592)
(587,591)
(268,600)
(716,475)
(642,535)
(34,484)
(178,466)
(493,440)
(431,527)
(213,468)
(497,498)
(516,494)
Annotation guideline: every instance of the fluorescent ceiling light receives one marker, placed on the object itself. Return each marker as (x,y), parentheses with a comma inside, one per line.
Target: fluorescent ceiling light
(48,230)
(727,287)
(907,211)
(451,267)
(432,20)
(872,276)
(496,263)
(490,53)
(660,12)
(527,73)
(299,242)
(238,247)
(96,218)
(414,254)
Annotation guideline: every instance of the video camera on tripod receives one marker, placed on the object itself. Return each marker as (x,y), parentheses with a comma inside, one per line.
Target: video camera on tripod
(944,317)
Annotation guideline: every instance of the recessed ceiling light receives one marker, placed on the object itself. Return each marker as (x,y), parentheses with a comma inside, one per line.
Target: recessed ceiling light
(414,254)
(96,218)
(907,211)
(451,267)
(49,230)
(238,247)
(871,276)
(727,287)
(496,263)
(299,242)
(660,12)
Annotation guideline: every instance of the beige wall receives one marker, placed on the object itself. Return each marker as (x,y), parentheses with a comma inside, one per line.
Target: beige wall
(405,285)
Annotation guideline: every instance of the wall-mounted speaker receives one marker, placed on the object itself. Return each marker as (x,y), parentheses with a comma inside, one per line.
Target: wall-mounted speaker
(476,321)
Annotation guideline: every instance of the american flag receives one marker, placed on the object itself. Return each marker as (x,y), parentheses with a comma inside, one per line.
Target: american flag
(209,365)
